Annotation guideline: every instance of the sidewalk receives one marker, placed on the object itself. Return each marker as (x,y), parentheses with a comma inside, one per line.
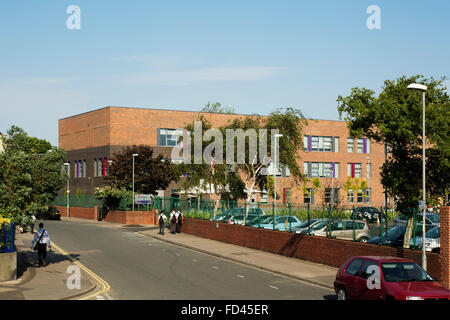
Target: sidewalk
(290,267)
(45,283)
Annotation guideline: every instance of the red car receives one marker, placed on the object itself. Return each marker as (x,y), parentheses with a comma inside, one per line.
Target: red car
(386,278)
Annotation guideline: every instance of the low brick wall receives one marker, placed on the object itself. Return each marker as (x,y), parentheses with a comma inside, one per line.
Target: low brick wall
(129,217)
(77,212)
(8,266)
(123,217)
(445,245)
(332,252)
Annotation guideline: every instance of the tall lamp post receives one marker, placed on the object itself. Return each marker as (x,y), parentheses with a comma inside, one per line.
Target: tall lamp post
(368,169)
(134,156)
(423,89)
(67,164)
(275,169)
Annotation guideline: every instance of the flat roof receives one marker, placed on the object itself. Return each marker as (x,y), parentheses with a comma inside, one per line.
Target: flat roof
(159,109)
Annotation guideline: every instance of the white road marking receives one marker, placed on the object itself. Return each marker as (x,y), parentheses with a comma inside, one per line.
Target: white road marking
(240,276)
(214,267)
(177,254)
(194,260)
(100,298)
(273,287)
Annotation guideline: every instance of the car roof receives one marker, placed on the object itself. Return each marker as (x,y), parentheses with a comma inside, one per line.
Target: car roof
(384,258)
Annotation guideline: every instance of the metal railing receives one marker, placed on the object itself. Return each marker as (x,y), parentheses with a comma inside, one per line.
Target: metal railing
(7,238)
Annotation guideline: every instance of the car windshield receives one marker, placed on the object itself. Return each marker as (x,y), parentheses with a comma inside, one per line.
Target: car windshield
(403,272)
(395,232)
(268,219)
(305,224)
(434,218)
(319,225)
(434,233)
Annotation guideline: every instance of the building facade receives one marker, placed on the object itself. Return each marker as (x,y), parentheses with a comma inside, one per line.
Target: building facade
(329,158)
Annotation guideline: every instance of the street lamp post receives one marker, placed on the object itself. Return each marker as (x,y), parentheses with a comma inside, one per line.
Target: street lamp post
(369,192)
(68,190)
(134,156)
(275,166)
(423,89)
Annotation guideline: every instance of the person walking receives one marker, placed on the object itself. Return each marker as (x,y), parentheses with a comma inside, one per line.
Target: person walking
(179,220)
(40,242)
(173,220)
(162,221)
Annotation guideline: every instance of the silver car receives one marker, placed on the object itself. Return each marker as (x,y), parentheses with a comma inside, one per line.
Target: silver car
(342,229)
(432,240)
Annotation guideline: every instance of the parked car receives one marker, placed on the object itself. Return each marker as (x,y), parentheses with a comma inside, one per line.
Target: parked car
(318,225)
(398,279)
(393,237)
(281,222)
(343,229)
(430,219)
(238,211)
(370,214)
(221,216)
(432,240)
(304,225)
(253,222)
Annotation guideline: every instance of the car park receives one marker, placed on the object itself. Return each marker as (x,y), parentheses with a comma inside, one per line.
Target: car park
(394,236)
(369,214)
(253,222)
(432,240)
(386,278)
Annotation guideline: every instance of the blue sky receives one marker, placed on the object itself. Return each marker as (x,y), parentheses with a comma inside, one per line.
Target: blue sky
(252,55)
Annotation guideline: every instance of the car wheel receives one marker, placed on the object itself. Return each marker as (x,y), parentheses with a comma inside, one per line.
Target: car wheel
(363,239)
(341,295)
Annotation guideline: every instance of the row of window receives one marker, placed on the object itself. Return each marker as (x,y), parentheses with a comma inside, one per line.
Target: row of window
(79,168)
(331,170)
(170,138)
(332,196)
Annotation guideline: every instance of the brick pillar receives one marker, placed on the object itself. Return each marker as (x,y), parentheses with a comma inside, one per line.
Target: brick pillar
(445,246)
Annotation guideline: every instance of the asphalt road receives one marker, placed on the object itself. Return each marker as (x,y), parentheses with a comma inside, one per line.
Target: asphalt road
(138,267)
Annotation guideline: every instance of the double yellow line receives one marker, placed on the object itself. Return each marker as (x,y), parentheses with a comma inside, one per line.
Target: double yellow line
(105,286)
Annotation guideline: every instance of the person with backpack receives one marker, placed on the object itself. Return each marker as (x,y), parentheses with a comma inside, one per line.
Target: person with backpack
(179,220)
(162,221)
(173,221)
(40,242)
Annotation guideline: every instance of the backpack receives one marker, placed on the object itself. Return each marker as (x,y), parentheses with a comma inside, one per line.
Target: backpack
(161,219)
(180,218)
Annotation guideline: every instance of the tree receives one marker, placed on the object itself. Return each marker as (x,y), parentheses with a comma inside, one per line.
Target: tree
(151,173)
(394,118)
(30,175)
(216,108)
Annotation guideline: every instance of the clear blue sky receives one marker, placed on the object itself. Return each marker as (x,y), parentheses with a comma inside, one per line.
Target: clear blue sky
(251,55)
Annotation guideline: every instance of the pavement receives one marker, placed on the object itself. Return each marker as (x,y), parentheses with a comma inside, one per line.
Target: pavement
(44,283)
(50,282)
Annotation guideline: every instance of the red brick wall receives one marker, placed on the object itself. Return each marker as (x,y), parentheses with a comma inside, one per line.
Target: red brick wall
(322,250)
(445,245)
(128,217)
(76,212)
(123,217)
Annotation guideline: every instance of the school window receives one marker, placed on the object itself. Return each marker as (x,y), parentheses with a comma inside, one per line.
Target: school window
(360,146)
(321,169)
(80,169)
(364,196)
(354,170)
(100,167)
(308,196)
(331,195)
(350,145)
(350,196)
(368,170)
(320,144)
(169,137)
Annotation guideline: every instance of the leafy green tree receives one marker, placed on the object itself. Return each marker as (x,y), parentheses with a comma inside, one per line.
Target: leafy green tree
(394,117)
(30,175)
(216,108)
(150,173)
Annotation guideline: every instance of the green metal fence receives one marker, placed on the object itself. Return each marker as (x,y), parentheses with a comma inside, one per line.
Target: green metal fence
(380,225)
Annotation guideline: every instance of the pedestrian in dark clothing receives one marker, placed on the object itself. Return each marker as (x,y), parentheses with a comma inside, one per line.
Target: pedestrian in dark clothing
(162,221)
(173,221)
(42,240)
(179,220)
